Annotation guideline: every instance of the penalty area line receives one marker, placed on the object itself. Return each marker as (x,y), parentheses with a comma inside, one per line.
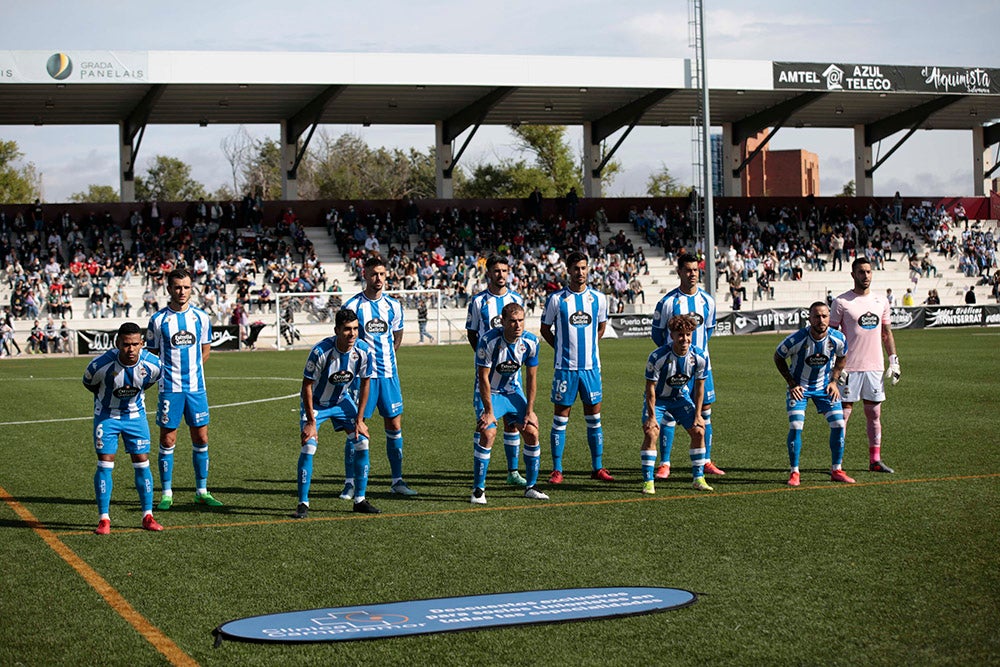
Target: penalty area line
(539,506)
(160,641)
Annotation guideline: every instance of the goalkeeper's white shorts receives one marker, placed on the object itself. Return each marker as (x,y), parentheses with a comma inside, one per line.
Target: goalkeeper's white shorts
(862,385)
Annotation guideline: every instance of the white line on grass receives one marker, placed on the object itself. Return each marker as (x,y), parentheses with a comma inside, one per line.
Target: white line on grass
(214,407)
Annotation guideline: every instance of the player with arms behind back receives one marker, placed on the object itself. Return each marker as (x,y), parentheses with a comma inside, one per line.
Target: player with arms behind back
(817,354)
(118,379)
(863,317)
(675,390)
(500,355)
(181,335)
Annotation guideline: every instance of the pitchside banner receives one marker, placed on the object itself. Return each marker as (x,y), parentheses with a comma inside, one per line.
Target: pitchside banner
(629,326)
(884,78)
(97,341)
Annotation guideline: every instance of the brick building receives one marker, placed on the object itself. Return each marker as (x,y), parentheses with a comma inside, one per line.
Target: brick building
(785,173)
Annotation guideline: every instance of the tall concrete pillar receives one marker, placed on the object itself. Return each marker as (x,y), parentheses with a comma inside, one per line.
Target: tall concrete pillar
(731,158)
(982,162)
(289,186)
(126,169)
(444,185)
(863,185)
(591,158)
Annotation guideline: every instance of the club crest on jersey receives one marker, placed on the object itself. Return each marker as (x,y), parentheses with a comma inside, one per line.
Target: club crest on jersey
(495,322)
(508,367)
(678,379)
(580,319)
(817,360)
(868,321)
(376,326)
(126,392)
(182,339)
(341,377)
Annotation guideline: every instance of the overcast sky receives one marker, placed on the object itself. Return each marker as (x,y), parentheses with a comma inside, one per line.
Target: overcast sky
(960,32)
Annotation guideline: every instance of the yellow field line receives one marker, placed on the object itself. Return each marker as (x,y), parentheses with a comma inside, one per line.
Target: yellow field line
(115,600)
(538,506)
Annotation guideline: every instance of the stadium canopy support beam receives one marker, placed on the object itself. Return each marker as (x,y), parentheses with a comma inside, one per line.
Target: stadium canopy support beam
(305,122)
(596,131)
(731,186)
(983,140)
(911,118)
(777,115)
(130,133)
(449,129)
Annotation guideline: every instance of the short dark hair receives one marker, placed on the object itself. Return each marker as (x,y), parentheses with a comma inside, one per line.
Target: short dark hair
(814,304)
(495,259)
(373,261)
(344,316)
(858,261)
(576,257)
(178,274)
(686,258)
(127,329)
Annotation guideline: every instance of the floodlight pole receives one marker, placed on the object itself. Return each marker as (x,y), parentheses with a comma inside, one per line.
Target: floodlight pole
(708,220)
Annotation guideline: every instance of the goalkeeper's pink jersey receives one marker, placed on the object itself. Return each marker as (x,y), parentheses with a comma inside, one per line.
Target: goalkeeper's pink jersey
(860,319)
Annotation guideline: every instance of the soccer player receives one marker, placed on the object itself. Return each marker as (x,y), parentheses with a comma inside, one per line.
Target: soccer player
(675,390)
(181,335)
(863,317)
(380,319)
(687,299)
(818,354)
(573,322)
(334,364)
(118,379)
(500,355)
(484,316)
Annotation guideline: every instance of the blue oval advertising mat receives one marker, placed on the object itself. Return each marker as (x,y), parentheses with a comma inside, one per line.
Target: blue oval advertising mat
(473,612)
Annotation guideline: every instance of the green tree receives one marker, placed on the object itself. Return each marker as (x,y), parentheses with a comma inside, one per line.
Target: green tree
(663,184)
(262,170)
(168,179)
(96,194)
(18,184)
(848,190)
(553,158)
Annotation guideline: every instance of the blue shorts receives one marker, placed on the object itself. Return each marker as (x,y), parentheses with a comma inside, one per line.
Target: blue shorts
(135,433)
(385,394)
(567,385)
(512,406)
(343,416)
(824,406)
(171,406)
(681,412)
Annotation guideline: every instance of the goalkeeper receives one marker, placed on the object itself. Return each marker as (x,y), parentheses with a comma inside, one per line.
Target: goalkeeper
(864,318)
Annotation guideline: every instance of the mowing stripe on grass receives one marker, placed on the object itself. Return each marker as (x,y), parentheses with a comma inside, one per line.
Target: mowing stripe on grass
(214,407)
(115,600)
(537,506)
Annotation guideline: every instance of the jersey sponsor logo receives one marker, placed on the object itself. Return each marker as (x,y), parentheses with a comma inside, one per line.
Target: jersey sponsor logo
(817,360)
(868,321)
(126,392)
(341,377)
(678,379)
(508,367)
(495,322)
(376,326)
(182,339)
(698,319)
(580,319)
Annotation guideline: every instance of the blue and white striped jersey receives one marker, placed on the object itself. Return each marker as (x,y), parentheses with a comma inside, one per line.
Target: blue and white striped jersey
(120,389)
(378,320)
(485,307)
(575,318)
(811,361)
(333,372)
(676,302)
(505,359)
(177,338)
(672,374)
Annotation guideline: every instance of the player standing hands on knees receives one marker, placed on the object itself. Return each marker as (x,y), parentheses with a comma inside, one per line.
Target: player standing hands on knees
(863,317)
(181,335)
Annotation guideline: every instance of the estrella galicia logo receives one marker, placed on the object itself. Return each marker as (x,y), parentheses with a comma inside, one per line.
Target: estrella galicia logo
(817,360)
(868,321)
(182,339)
(126,392)
(580,319)
(508,367)
(698,319)
(495,322)
(341,377)
(376,327)
(59,66)
(678,379)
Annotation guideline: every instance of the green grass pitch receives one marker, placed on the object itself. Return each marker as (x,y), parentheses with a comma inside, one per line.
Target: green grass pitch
(898,569)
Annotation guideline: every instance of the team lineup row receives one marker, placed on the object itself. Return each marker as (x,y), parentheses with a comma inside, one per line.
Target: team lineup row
(352,373)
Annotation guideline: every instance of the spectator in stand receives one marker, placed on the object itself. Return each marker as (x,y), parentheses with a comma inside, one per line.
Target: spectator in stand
(119,302)
(932,298)
(970,296)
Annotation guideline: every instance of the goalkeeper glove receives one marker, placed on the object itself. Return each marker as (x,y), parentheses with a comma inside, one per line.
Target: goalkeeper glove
(893,370)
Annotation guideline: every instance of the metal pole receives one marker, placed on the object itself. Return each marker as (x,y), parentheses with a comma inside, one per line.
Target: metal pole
(709,217)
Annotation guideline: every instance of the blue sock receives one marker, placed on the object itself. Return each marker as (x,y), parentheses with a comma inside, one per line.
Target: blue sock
(706,414)
(794,447)
(511,447)
(199,458)
(394,450)
(144,484)
(349,462)
(166,465)
(480,464)
(595,440)
(532,462)
(648,461)
(305,469)
(666,440)
(836,421)
(361,459)
(103,482)
(697,462)
(557,440)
